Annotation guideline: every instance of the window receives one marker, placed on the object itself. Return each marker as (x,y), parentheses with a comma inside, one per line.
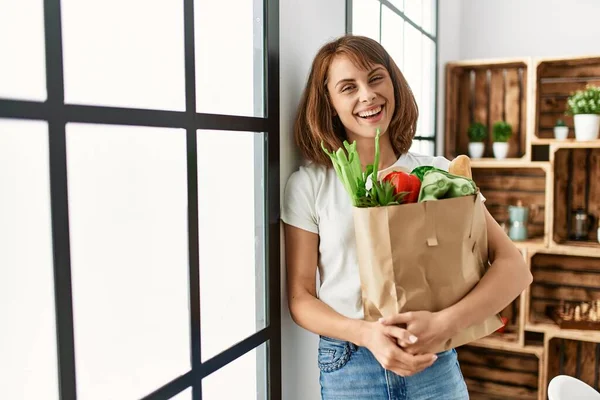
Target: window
(408,31)
(139,161)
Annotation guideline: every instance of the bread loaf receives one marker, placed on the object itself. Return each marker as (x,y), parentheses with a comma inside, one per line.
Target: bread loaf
(461,166)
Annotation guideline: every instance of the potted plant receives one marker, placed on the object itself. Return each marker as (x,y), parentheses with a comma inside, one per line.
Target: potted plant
(584,105)
(561,130)
(501,131)
(477,134)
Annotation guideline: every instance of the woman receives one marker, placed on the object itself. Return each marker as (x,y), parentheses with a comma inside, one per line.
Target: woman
(353,88)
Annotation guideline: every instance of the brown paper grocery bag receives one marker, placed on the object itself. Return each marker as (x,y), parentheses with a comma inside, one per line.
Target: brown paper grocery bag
(422,256)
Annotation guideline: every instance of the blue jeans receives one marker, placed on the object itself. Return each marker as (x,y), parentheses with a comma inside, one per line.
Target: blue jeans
(352,372)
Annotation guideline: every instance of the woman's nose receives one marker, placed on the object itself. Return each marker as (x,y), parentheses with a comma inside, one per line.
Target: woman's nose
(367,95)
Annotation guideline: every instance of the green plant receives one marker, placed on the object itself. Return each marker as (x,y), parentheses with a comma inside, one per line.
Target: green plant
(477,132)
(560,122)
(585,101)
(502,131)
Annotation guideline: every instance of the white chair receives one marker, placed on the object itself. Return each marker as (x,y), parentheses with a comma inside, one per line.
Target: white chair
(564,387)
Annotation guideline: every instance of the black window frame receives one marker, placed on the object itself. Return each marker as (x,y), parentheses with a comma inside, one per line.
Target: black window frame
(432,37)
(57,114)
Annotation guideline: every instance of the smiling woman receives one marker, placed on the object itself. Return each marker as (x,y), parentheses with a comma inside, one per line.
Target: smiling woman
(354,91)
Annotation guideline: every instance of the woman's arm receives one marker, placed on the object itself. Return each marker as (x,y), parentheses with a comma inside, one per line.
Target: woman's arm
(301,248)
(506,278)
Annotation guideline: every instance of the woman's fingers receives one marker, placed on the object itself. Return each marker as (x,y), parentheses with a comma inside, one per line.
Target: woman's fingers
(397,359)
(402,336)
(416,363)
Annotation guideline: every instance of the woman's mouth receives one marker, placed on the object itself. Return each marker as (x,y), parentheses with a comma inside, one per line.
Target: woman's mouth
(372,115)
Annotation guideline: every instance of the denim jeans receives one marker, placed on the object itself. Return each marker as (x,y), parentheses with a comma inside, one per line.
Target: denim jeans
(352,372)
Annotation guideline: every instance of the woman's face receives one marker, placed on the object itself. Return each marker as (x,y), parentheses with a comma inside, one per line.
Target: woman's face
(363,99)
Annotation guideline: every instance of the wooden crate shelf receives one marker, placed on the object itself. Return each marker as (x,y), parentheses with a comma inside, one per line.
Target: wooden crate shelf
(555,80)
(576,358)
(505,185)
(576,186)
(491,373)
(521,362)
(556,279)
(486,93)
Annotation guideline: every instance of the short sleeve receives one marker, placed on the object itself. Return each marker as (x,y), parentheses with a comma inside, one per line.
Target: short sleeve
(299,198)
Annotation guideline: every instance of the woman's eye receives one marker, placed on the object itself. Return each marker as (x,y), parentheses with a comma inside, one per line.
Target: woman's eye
(347,88)
(376,78)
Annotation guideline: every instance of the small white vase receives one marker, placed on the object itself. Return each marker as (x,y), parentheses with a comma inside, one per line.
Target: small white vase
(586,126)
(500,150)
(561,132)
(476,149)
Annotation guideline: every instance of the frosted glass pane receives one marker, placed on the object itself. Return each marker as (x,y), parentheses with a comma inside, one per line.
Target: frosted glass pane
(399,4)
(429,10)
(128,214)
(242,379)
(28,364)
(413,60)
(427,105)
(414,10)
(423,147)
(124,53)
(23,66)
(229,57)
(392,35)
(231,236)
(185,395)
(365,18)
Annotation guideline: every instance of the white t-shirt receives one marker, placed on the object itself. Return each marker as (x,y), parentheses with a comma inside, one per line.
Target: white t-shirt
(315,200)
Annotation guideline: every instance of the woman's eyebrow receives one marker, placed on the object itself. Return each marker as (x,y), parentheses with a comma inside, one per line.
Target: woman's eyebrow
(349,80)
(346,80)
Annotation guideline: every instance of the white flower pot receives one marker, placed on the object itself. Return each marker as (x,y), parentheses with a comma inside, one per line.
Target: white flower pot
(476,149)
(561,132)
(586,126)
(500,150)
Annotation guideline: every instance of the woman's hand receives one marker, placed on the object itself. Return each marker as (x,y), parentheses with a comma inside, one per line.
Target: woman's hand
(382,340)
(432,329)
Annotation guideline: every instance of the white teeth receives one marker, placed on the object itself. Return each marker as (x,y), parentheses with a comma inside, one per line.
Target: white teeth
(370,112)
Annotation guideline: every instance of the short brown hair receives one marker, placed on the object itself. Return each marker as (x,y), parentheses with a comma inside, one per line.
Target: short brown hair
(315,120)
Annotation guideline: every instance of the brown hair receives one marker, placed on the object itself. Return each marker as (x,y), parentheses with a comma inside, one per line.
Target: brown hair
(315,120)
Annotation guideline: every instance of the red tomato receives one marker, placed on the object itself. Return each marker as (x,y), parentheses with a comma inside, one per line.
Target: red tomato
(405,183)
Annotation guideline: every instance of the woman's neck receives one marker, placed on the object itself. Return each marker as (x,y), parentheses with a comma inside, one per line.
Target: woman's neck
(366,151)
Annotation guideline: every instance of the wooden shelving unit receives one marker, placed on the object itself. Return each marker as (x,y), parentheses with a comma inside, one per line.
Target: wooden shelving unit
(521,362)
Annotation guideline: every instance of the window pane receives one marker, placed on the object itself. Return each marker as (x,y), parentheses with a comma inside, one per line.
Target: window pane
(429,10)
(427,105)
(185,395)
(242,379)
(365,18)
(399,4)
(229,57)
(413,68)
(129,252)
(392,35)
(413,10)
(124,53)
(23,66)
(231,235)
(422,147)
(28,364)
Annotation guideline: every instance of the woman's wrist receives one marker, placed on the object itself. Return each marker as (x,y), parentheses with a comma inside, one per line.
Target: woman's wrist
(359,330)
(452,322)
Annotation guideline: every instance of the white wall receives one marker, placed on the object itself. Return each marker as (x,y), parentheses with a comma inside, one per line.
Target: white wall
(304,26)
(536,28)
